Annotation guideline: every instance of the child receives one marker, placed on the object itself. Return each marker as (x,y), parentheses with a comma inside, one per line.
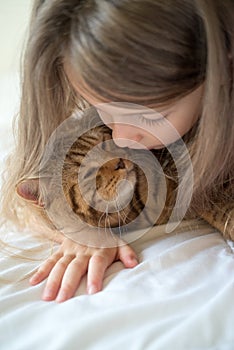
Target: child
(173,56)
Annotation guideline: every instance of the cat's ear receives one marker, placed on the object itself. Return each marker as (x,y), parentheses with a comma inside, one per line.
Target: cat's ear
(29,190)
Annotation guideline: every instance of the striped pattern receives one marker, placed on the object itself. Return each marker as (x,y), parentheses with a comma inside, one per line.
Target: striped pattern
(106,183)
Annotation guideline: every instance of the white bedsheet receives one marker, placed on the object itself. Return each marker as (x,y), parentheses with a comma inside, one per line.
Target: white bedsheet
(180,296)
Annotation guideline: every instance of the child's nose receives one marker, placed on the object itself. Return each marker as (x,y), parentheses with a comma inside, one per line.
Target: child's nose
(126,136)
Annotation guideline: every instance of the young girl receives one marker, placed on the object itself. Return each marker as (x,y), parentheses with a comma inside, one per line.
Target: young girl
(175,57)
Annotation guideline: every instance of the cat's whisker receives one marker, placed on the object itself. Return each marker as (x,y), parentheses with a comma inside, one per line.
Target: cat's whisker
(122,212)
(105,214)
(99,221)
(119,218)
(122,218)
(109,224)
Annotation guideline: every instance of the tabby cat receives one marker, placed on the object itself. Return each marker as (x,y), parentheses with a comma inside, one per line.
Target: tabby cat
(119,183)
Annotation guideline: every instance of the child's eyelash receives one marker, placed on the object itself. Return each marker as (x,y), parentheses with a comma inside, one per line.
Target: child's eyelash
(151,122)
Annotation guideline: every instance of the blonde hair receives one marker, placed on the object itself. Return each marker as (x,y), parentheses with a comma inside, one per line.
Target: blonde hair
(143,51)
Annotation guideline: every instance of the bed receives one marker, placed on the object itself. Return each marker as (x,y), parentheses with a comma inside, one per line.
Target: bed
(180,296)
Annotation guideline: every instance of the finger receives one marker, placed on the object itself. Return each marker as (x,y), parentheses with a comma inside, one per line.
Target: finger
(44,270)
(97,267)
(55,278)
(71,279)
(127,255)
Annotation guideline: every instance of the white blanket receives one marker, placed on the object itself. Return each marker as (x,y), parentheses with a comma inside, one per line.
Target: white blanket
(180,296)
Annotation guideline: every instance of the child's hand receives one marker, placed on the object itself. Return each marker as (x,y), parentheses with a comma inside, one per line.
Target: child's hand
(66,267)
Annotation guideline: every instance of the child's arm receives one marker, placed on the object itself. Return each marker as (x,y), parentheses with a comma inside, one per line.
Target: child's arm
(66,267)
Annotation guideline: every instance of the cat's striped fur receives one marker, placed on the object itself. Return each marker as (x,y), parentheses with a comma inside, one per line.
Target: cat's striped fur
(106,181)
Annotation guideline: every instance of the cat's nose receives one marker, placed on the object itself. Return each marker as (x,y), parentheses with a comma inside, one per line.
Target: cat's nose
(120,164)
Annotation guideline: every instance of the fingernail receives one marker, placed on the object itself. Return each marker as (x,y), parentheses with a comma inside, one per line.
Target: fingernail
(47,295)
(92,290)
(33,279)
(135,260)
(62,296)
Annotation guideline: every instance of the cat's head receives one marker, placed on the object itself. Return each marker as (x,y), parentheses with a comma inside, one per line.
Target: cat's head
(101,186)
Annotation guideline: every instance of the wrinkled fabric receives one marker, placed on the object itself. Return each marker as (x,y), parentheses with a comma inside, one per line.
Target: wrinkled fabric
(179,296)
